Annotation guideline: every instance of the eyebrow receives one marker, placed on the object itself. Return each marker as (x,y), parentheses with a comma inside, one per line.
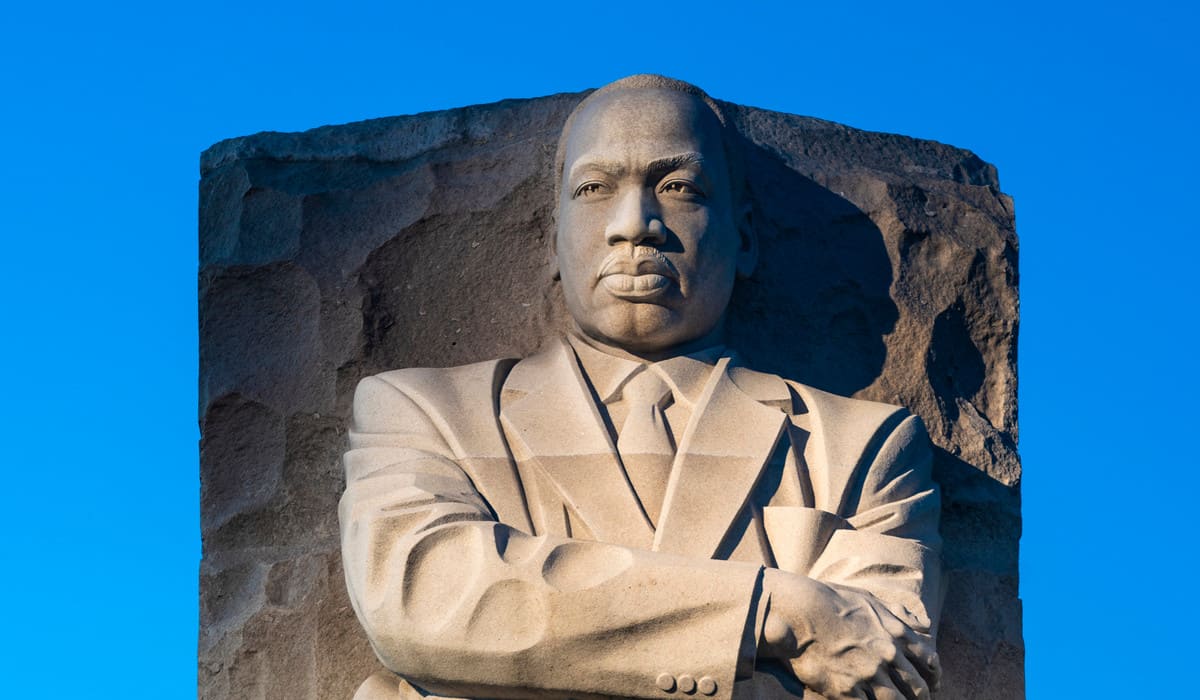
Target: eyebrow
(658,165)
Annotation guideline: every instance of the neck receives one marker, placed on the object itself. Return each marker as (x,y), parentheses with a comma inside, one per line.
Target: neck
(714,337)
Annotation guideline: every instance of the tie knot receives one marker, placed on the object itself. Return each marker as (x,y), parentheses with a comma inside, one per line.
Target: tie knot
(646,388)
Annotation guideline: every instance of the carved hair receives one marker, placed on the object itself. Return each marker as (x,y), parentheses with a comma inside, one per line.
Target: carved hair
(730,138)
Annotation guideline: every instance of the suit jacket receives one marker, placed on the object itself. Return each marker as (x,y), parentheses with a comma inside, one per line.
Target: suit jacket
(493,546)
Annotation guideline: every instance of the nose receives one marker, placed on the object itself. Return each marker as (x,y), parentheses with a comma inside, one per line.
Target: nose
(635,218)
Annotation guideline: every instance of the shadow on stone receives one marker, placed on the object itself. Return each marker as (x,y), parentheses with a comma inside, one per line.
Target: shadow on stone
(818,306)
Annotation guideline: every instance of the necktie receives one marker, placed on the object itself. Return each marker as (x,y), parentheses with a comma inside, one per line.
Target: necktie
(644,440)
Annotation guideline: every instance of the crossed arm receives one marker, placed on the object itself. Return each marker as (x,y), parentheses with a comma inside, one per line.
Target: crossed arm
(464,605)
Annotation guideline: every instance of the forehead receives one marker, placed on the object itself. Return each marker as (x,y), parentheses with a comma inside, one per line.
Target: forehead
(643,124)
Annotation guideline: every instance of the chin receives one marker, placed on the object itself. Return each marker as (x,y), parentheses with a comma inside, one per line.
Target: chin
(643,328)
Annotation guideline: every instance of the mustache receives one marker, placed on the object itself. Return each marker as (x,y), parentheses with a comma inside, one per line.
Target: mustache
(638,260)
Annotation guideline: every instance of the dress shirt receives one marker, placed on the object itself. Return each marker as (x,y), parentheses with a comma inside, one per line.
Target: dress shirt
(686,376)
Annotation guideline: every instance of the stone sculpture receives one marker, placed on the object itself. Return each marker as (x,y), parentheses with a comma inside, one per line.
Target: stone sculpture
(634,512)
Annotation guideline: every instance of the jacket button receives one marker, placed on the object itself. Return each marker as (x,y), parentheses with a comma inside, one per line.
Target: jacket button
(687,684)
(707,685)
(665,682)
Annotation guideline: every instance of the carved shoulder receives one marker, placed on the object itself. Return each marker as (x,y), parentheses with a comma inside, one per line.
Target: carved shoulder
(857,448)
(846,421)
(458,403)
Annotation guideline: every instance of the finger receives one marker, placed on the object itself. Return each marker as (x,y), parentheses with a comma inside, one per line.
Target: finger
(920,651)
(890,621)
(935,668)
(882,687)
(908,680)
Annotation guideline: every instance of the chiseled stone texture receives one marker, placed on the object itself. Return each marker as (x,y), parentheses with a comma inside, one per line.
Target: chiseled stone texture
(345,251)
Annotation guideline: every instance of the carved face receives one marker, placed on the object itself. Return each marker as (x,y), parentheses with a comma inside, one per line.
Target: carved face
(648,242)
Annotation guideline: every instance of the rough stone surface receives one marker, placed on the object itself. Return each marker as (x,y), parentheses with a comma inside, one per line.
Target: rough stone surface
(347,250)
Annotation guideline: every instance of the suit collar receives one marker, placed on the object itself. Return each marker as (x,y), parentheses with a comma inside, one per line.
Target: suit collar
(548,408)
(686,375)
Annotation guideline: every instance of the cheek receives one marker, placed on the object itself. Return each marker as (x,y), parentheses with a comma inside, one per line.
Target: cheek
(576,231)
(575,264)
(702,230)
(708,250)
(688,222)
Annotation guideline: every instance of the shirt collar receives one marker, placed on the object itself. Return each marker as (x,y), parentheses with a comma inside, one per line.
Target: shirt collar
(685,374)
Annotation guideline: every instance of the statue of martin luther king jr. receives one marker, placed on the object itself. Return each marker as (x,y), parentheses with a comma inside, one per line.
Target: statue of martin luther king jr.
(633,512)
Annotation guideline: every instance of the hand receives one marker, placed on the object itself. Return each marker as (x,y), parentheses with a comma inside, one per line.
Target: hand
(843,643)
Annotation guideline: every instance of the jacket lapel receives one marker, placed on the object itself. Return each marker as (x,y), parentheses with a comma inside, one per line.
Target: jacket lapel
(721,456)
(552,414)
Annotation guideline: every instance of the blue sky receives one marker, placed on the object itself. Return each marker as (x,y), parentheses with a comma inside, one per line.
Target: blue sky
(1089,111)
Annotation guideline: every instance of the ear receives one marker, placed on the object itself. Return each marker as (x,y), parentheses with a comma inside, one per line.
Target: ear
(747,256)
(552,252)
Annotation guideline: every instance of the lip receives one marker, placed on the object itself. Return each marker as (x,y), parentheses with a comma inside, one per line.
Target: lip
(635,287)
(642,274)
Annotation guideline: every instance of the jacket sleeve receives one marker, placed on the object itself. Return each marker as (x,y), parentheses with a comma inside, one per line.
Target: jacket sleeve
(886,542)
(464,605)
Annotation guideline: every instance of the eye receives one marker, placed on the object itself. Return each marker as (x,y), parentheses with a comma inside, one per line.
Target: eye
(682,187)
(588,189)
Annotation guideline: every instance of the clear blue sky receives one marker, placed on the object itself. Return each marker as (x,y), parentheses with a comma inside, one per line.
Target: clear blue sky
(1089,112)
